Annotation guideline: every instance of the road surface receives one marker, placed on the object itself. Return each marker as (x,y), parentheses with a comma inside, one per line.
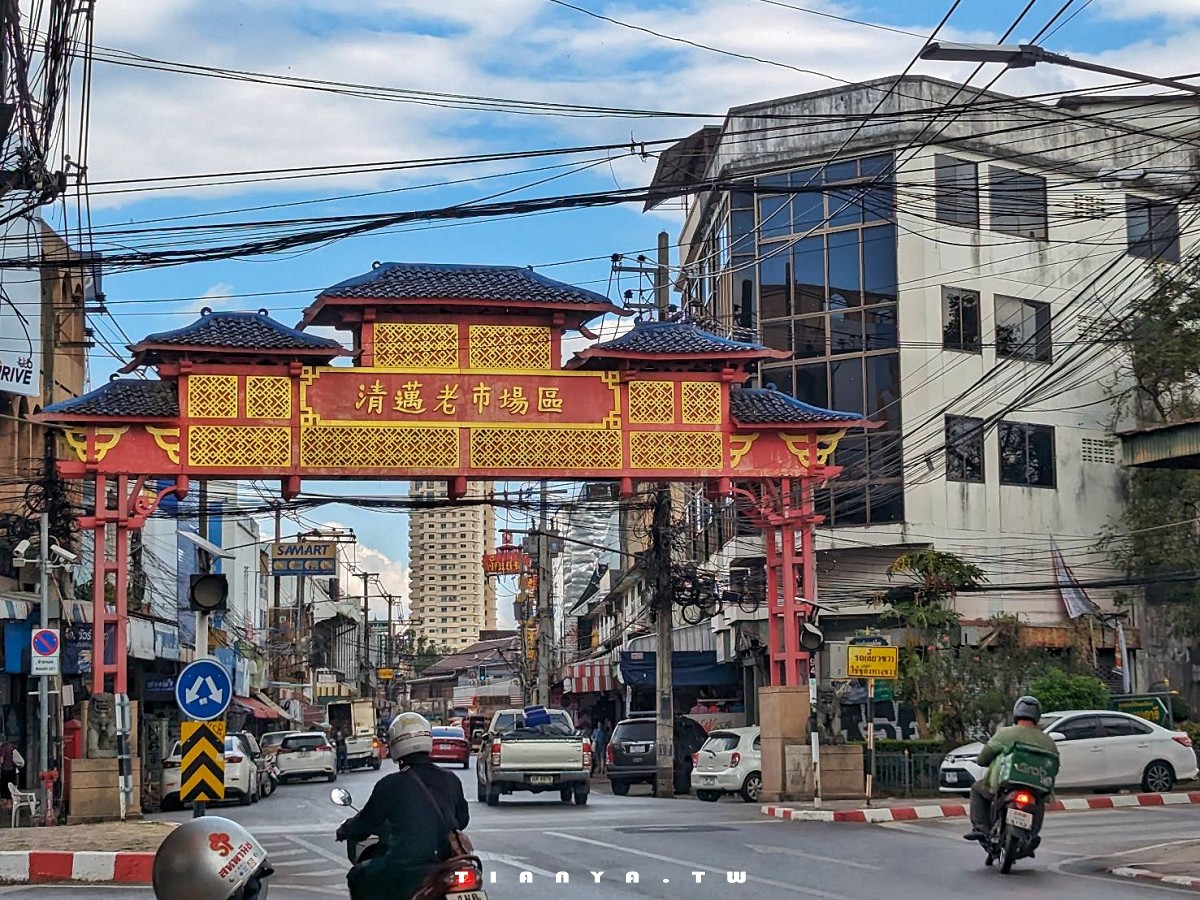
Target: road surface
(667,842)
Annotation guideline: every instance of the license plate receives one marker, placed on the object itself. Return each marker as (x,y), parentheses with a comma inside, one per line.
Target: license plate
(306,753)
(444,747)
(468,895)
(710,779)
(1020,819)
(640,748)
(951,777)
(540,779)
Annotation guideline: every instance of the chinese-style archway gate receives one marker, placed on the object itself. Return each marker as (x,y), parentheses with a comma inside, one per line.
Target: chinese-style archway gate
(456,374)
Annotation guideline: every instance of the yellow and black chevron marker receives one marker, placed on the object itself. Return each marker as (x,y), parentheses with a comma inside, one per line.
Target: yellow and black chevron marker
(203,764)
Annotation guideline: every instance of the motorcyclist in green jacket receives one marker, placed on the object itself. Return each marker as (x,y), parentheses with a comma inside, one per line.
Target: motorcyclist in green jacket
(1026,714)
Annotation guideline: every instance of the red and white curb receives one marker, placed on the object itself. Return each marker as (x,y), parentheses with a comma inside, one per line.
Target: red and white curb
(956,810)
(91,867)
(1186,881)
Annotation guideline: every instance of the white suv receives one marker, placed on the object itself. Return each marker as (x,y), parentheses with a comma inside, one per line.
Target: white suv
(306,755)
(730,762)
(241,775)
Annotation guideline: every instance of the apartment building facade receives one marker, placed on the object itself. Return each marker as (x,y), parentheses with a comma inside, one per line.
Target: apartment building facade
(452,601)
(945,262)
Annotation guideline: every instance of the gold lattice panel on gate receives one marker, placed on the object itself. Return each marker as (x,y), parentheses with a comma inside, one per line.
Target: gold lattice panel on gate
(334,446)
(652,402)
(510,347)
(268,397)
(701,403)
(212,396)
(676,450)
(504,448)
(416,345)
(239,446)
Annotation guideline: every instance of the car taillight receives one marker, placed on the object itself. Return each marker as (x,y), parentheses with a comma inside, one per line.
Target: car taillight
(695,759)
(233,759)
(1023,798)
(495,753)
(1182,739)
(466,879)
(608,754)
(735,759)
(324,747)
(587,755)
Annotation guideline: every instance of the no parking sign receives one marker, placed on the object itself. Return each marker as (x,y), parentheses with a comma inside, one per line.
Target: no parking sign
(45,652)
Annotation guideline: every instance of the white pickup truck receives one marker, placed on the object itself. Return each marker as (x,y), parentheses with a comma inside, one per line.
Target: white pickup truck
(515,757)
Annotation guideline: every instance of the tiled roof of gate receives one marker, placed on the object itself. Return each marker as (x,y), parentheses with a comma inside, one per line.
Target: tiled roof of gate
(763,406)
(419,281)
(676,338)
(242,331)
(132,397)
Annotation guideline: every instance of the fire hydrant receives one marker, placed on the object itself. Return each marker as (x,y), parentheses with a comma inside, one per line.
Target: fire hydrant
(48,780)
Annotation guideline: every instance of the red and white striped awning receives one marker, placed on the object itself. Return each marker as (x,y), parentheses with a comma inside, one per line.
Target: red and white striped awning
(589,678)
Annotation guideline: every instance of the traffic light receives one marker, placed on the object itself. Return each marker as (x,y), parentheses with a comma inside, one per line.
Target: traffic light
(208,593)
(812,638)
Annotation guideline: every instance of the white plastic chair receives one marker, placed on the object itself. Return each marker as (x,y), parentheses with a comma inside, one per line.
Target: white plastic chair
(26,799)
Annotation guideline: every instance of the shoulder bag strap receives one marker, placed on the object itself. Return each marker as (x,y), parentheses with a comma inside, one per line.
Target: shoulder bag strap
(437,807)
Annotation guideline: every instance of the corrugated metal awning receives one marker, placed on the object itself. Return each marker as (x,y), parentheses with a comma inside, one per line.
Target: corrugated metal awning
(690,638)
(589,678)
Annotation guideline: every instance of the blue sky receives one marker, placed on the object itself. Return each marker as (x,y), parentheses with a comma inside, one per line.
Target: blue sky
(155,124)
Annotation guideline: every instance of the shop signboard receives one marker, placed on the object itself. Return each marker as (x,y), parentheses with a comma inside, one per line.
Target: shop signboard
(304,558)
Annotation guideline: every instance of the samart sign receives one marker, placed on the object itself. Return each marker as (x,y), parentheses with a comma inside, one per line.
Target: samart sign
(304,558)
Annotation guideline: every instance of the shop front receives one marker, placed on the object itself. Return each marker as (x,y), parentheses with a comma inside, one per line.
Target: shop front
(704,689)
(592,694)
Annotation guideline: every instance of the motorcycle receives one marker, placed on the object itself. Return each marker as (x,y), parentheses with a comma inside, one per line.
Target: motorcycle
(1017,813)
(458,878)
(273,778)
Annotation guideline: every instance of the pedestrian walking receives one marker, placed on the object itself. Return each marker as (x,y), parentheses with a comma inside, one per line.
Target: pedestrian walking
(339,741)
(10,762)
(599,743)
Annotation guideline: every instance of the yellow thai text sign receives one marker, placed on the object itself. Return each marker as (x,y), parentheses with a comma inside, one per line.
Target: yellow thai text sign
(203,764)
(872,662)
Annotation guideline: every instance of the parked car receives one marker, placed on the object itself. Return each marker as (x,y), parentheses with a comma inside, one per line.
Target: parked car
(450,744)
(306,755)
(517,756)
(730,762)
(272,739)
(241,775)
(259,759)
(1097,749)
(631,757)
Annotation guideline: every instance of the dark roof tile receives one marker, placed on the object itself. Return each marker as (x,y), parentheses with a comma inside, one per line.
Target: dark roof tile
(419,281)
(242,331)
(131,397)
(674,338)
(763,406)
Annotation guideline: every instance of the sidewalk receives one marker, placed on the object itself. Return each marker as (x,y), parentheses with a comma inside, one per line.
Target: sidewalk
(1177,865)
(909,810)
(116,852)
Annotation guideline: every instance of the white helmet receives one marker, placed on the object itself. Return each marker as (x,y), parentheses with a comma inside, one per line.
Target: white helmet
(409,733)
(209,858)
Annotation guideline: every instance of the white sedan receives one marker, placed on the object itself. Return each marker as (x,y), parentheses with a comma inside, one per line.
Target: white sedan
(306,755)
(241,775)
(730,762)
(1097,748)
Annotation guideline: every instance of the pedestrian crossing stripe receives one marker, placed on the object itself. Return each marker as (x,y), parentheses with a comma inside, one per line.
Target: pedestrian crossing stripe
(203,764)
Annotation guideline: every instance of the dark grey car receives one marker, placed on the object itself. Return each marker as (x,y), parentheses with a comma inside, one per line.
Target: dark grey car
(632,753)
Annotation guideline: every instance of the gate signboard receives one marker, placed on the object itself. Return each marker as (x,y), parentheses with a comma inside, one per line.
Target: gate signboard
(304,558)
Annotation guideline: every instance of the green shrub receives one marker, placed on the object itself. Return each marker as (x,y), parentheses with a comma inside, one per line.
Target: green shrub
(1059,691)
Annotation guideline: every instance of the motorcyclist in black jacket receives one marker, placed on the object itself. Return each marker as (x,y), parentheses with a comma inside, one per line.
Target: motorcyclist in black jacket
(414,832)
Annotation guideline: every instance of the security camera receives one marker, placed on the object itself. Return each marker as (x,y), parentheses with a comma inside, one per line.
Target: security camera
(64,554)
(19,554)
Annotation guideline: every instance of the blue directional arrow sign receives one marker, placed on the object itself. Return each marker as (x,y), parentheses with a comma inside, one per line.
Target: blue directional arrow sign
(204,690)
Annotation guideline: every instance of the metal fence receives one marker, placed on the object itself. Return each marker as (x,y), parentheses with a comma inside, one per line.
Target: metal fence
(907,773)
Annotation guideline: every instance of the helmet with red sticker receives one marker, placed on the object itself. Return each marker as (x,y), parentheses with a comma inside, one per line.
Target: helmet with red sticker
(210,858)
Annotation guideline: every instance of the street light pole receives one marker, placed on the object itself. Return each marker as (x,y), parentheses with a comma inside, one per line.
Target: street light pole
(1023,56)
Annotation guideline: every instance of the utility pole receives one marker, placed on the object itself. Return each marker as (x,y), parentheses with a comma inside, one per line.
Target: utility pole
(278,589)
(660,569)
(44,680)
(365,656)
(200,807)
(545,611)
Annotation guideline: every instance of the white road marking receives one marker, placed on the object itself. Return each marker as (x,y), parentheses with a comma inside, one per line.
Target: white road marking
(323,853)
(782,885)
(517,862)
(790,851)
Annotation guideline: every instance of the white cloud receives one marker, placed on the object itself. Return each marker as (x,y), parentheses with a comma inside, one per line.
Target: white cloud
(217,297)
(393,578)
(1150,9)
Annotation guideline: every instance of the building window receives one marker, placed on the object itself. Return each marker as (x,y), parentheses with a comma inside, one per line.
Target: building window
(960,320)
(1023,329)
(964,449)
(957,197)
(1026,454)
(1153,229)
(1018,202)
